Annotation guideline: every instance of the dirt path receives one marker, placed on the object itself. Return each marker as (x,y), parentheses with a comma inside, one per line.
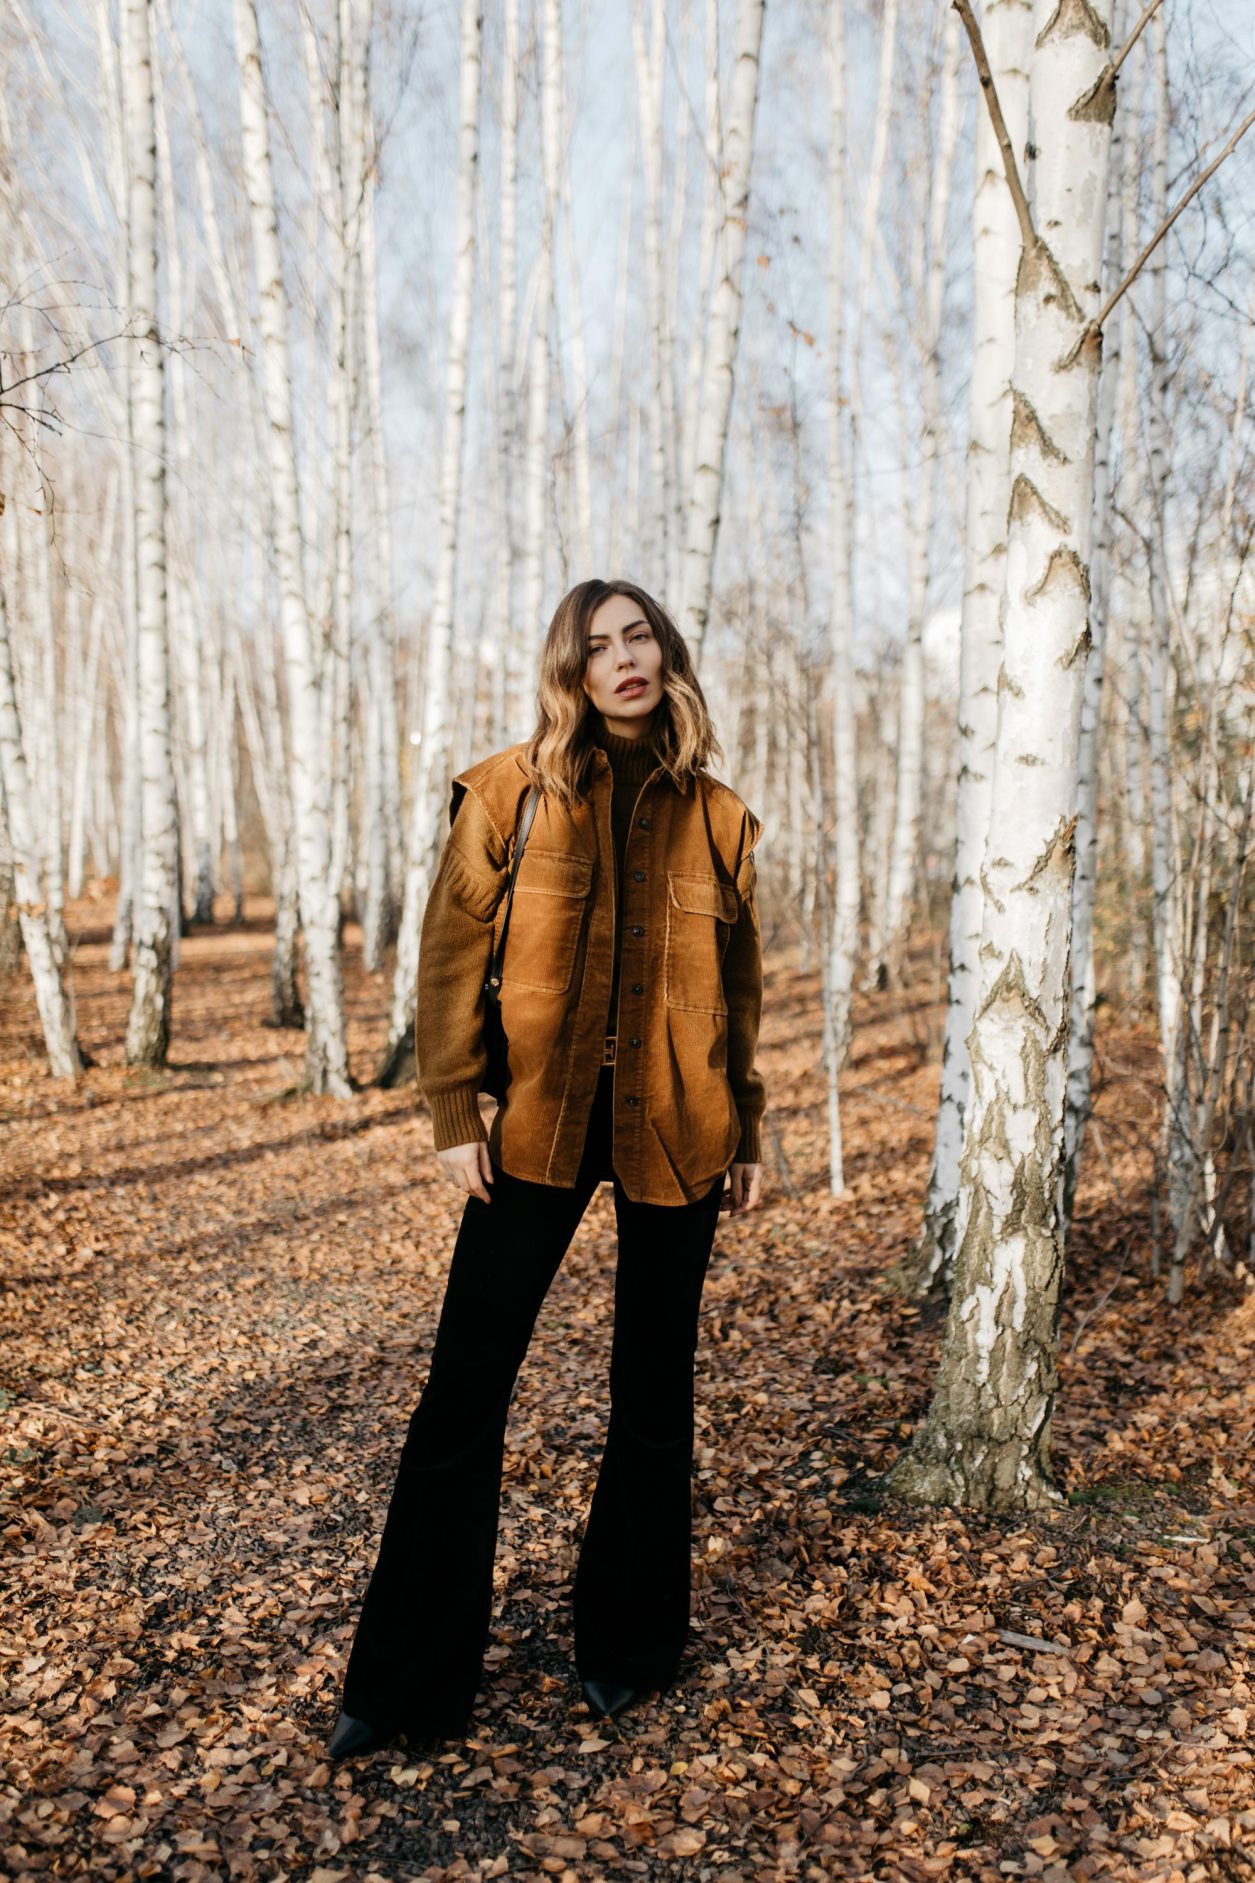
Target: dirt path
(217,1306)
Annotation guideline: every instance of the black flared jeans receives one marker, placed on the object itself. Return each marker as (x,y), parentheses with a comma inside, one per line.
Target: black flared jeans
(417,1656)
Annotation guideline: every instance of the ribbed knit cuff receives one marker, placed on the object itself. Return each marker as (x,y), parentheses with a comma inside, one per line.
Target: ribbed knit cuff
(455,1117)
(749,1150)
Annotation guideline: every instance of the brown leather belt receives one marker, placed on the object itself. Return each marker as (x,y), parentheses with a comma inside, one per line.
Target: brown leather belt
(607,1050)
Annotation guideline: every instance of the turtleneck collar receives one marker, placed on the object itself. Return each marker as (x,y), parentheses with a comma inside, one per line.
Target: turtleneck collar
(631,760)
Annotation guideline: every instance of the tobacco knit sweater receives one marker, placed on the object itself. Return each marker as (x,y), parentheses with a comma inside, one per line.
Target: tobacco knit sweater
(631,761)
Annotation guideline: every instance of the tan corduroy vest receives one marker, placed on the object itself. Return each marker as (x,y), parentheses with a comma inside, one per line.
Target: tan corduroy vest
(688,1098)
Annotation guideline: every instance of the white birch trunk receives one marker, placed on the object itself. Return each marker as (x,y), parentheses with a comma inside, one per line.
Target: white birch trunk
(659,403)
(986,1438)
(995,259)
(41,724)
(523,648)
(326,1056)
(580,453)
(430,789)
(706,495)
(381,782)
(51,995)
(842,943)
(1081,1009)
(708,240)
(904,853)
(507,405)
(186,609)
(88,744)
(1168,915)
(157,912)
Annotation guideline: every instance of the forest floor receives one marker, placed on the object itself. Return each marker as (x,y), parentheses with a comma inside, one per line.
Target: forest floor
(218,1301)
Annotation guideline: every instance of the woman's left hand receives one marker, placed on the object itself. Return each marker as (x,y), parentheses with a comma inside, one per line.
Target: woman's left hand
(745,1188)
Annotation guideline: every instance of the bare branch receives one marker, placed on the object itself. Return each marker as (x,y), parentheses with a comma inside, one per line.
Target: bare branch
(964,10)
(1148,13)
(1162,231)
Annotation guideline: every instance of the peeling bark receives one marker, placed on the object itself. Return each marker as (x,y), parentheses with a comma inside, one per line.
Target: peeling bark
(986,1437)
(995,260)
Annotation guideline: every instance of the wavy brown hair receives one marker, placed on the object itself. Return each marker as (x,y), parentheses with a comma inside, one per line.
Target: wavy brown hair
(558,756)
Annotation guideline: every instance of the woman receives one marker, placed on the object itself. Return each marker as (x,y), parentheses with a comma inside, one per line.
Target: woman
(630,999)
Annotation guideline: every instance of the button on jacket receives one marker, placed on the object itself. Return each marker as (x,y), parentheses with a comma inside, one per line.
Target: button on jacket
(688,1099)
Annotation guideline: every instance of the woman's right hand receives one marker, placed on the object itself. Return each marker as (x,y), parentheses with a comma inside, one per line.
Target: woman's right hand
(469,1167)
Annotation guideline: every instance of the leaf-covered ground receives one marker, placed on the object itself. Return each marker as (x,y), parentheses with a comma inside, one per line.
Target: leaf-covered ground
(218,1303)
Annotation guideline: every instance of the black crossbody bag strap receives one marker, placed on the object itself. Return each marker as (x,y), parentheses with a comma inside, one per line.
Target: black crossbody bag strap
(493,980)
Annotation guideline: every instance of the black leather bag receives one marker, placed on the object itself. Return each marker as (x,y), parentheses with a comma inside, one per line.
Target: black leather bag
(495,1075)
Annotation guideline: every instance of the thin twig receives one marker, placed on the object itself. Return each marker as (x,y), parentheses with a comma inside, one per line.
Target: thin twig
(1161,232)
(1147,15)
(1024,215)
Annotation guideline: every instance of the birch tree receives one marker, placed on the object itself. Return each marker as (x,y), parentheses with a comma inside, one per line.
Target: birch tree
(38,934)
(842,945)
(506,400)
(706,496)
(995,260)
(927,295)
(1121,181)
(384,842)
(186,609)
(430,791)
(326,1056)
(157,913)
(536,449)
(986,1437)
(1167,912)
(659,392)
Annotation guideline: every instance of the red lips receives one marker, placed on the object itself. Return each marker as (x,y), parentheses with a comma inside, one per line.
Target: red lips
(629,686)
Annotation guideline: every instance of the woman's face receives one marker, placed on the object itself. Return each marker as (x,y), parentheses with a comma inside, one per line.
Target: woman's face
(623,667)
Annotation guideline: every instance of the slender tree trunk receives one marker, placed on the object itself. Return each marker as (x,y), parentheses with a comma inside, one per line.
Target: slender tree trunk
(430,791)
(51,995)
(706,496)
(1008,30)
(157,908)
(507,404)
(326,1056)
(523,647)
(709,242)
(384,830)
(1081,1006)
(580,450)
(660,413)
(87,742)
(842,947)
(1168,917)
(986,1438)
(905,850)
(185,611)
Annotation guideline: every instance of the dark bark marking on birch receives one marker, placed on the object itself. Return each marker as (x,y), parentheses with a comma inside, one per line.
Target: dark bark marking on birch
(1071,17)
(1038,272)
(1084,641)
(1028,430)
(1058,852)
(1098,104)
(1026,498)
(1064,569)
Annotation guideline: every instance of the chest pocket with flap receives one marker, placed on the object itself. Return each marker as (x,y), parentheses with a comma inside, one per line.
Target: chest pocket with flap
(701,911)
(550,894)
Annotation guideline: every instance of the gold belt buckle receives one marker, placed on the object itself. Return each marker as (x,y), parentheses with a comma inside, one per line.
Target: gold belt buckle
(607,1050)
